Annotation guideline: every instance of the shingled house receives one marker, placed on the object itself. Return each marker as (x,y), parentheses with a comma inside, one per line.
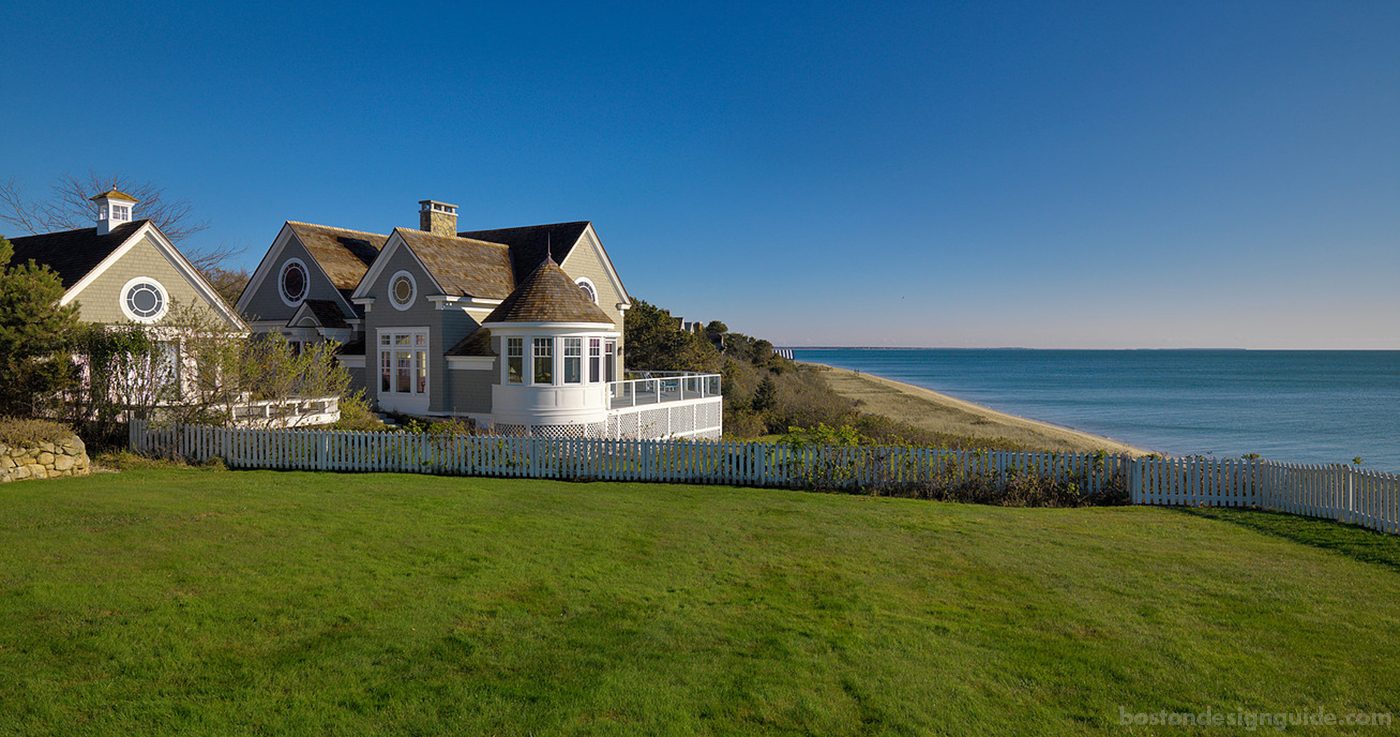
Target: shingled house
(123,270)
(514,329)
(127,271)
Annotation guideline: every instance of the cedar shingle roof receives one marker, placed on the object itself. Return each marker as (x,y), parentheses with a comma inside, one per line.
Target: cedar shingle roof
(527,244)
(476,344)
(548,295)
(463,267)
(72,253)
(345,255)
(114,194)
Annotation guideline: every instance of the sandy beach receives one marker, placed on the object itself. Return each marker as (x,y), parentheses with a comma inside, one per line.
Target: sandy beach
(941,413)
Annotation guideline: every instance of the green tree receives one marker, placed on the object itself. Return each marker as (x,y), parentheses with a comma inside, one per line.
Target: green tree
(656,342)
(766,395)
(193,369)
(34,331)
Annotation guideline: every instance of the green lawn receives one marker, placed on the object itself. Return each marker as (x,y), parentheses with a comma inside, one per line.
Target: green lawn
(202,602)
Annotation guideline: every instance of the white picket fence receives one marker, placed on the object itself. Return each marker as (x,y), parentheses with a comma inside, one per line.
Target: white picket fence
(1361,497)
(716,462)
(1344,493)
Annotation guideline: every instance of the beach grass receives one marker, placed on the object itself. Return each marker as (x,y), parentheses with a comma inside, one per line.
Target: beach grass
(201,602)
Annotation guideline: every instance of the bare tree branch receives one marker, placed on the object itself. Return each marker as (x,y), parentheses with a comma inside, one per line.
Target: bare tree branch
(70,207)
(15,212)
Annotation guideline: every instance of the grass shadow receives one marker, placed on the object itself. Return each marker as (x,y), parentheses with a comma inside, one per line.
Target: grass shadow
(1352,541)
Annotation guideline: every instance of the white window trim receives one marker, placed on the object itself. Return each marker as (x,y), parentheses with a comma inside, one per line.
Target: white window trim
(505,360)
(412,297)
(471,363)
(306,277)
(413,347)
(558,359)
(164,300)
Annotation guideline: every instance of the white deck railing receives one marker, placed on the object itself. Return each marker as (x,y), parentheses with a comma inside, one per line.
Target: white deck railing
(657,387)
(665,404)
(289,412)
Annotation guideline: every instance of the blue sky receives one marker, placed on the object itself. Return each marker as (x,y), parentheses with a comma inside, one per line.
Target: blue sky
(1048,174)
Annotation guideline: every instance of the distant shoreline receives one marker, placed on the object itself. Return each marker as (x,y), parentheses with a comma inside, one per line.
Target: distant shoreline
(930,410)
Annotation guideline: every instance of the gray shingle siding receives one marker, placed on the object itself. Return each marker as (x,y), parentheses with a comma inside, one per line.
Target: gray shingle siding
(267,304)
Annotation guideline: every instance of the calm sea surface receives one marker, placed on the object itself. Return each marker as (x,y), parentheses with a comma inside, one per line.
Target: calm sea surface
(1299,406)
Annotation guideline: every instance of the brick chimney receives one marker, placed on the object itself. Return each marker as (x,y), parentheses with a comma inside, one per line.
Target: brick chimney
(438,218)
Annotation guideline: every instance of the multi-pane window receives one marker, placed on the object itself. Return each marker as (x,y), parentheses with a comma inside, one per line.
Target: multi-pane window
(610,349)
(403,362)
(595,351)
(145,300)
(515,360)
(573,360)
(544,361)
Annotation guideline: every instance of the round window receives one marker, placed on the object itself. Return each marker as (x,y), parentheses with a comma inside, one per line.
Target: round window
(143,300)
(402,290)
(293,282)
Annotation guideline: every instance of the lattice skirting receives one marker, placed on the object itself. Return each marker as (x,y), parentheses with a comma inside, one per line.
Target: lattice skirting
(553,432)
(687,420)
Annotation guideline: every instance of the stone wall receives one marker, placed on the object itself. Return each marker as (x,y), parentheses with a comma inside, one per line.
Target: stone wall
(67,457)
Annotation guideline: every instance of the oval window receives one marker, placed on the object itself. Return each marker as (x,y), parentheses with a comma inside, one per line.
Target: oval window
(402,290)
(294,282)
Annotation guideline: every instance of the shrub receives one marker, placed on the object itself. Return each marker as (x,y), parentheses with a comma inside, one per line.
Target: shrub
(356,415)
(28,432)
(1011,490)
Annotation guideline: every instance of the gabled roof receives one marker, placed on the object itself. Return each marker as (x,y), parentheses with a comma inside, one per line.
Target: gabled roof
(463,267)
(527,244)
(476,344)
(548,295)
(72,253)
(325,311)
(343,254)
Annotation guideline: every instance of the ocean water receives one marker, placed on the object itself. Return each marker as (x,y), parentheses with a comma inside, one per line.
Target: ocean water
(1297,406)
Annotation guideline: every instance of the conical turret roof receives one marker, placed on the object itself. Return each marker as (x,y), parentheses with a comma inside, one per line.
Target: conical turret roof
(548,295)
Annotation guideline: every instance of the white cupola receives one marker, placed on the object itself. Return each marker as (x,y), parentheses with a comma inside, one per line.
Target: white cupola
(113,209)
